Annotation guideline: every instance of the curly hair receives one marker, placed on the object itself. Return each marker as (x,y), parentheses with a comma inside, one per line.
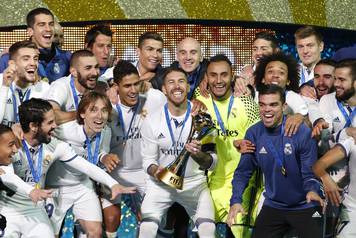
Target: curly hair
(292,65)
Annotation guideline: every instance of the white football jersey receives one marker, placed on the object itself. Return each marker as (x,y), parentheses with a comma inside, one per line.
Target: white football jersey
(60,92)
(73,133)
(128,149)
(37,90)
(157,146)
(304,75)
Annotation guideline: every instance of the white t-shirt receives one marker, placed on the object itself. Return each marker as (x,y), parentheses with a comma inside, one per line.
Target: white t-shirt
(128,150)
(304,75)
(60,92)
(55,150)
(73,133)
(332,114)
(107,75)
(350,148)
(314,112)
(157,147)
(7,114)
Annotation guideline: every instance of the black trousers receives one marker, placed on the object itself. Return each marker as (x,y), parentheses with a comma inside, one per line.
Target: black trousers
(274,223)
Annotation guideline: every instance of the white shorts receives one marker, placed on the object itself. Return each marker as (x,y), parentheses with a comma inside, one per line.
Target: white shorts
(33,223)
(195,198)
(136,179)
(85,202)
(348,219)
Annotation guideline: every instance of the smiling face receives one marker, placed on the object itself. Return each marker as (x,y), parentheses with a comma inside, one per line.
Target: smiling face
(344,85)
(26,60)
(46,130)
(7,147)
(219,76)
(86,71)
(95,116)
(189,54)
(271,109)
(323,79)
(42,31)
(276,72)
(176,88)
(150,55)
(260,48)
(309,50)
(101,48)
(128,89)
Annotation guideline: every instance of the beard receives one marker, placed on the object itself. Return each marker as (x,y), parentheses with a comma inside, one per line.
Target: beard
(83,81)
(43,137)
(346,95)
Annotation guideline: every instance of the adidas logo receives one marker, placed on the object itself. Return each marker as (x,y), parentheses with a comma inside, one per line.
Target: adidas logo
(337,119)
(161,136)
(316,215)
(263,150)
(9,101)
(71,108)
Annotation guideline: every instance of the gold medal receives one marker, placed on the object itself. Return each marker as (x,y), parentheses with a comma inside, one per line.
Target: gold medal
(38,186)
(283,171)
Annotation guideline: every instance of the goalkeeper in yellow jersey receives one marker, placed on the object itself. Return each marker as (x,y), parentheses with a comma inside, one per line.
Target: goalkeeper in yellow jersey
(232,116)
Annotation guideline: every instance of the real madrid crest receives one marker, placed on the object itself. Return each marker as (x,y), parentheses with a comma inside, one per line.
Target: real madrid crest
(47,160)
(288,150)
(144,113)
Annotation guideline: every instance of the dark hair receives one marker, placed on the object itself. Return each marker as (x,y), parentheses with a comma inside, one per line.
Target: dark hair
(96,30)
(88,98)
(149,35)
(348,63)
(273,89)
(30,18)
(122,69)
(292,65)
(220,58)
(329,62)
(4,129)
(173,69)
(268,36)
(33,110)
(19,45)
(306,31)
(78,54)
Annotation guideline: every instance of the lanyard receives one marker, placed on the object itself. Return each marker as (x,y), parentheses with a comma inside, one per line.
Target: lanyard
(218,116)
(74,92)
(278,154)
(168,122)
(14,101)
(122,122)
(38,172)
(348,118)
(93,158)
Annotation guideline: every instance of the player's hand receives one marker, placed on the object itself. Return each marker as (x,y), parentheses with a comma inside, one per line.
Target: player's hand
(17,130)
(197,106)
(194,147)
(234,210)
(119,189)
(313,196)
(240,87)
(110,161)
(292,124)
(332,190)
(244,146)
(308,91)
(2,172)
(319,126)
(37,195)
(9,74)
(111,93)
(203,87)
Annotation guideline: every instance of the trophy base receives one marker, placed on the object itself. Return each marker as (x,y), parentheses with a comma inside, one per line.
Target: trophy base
(171,179)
